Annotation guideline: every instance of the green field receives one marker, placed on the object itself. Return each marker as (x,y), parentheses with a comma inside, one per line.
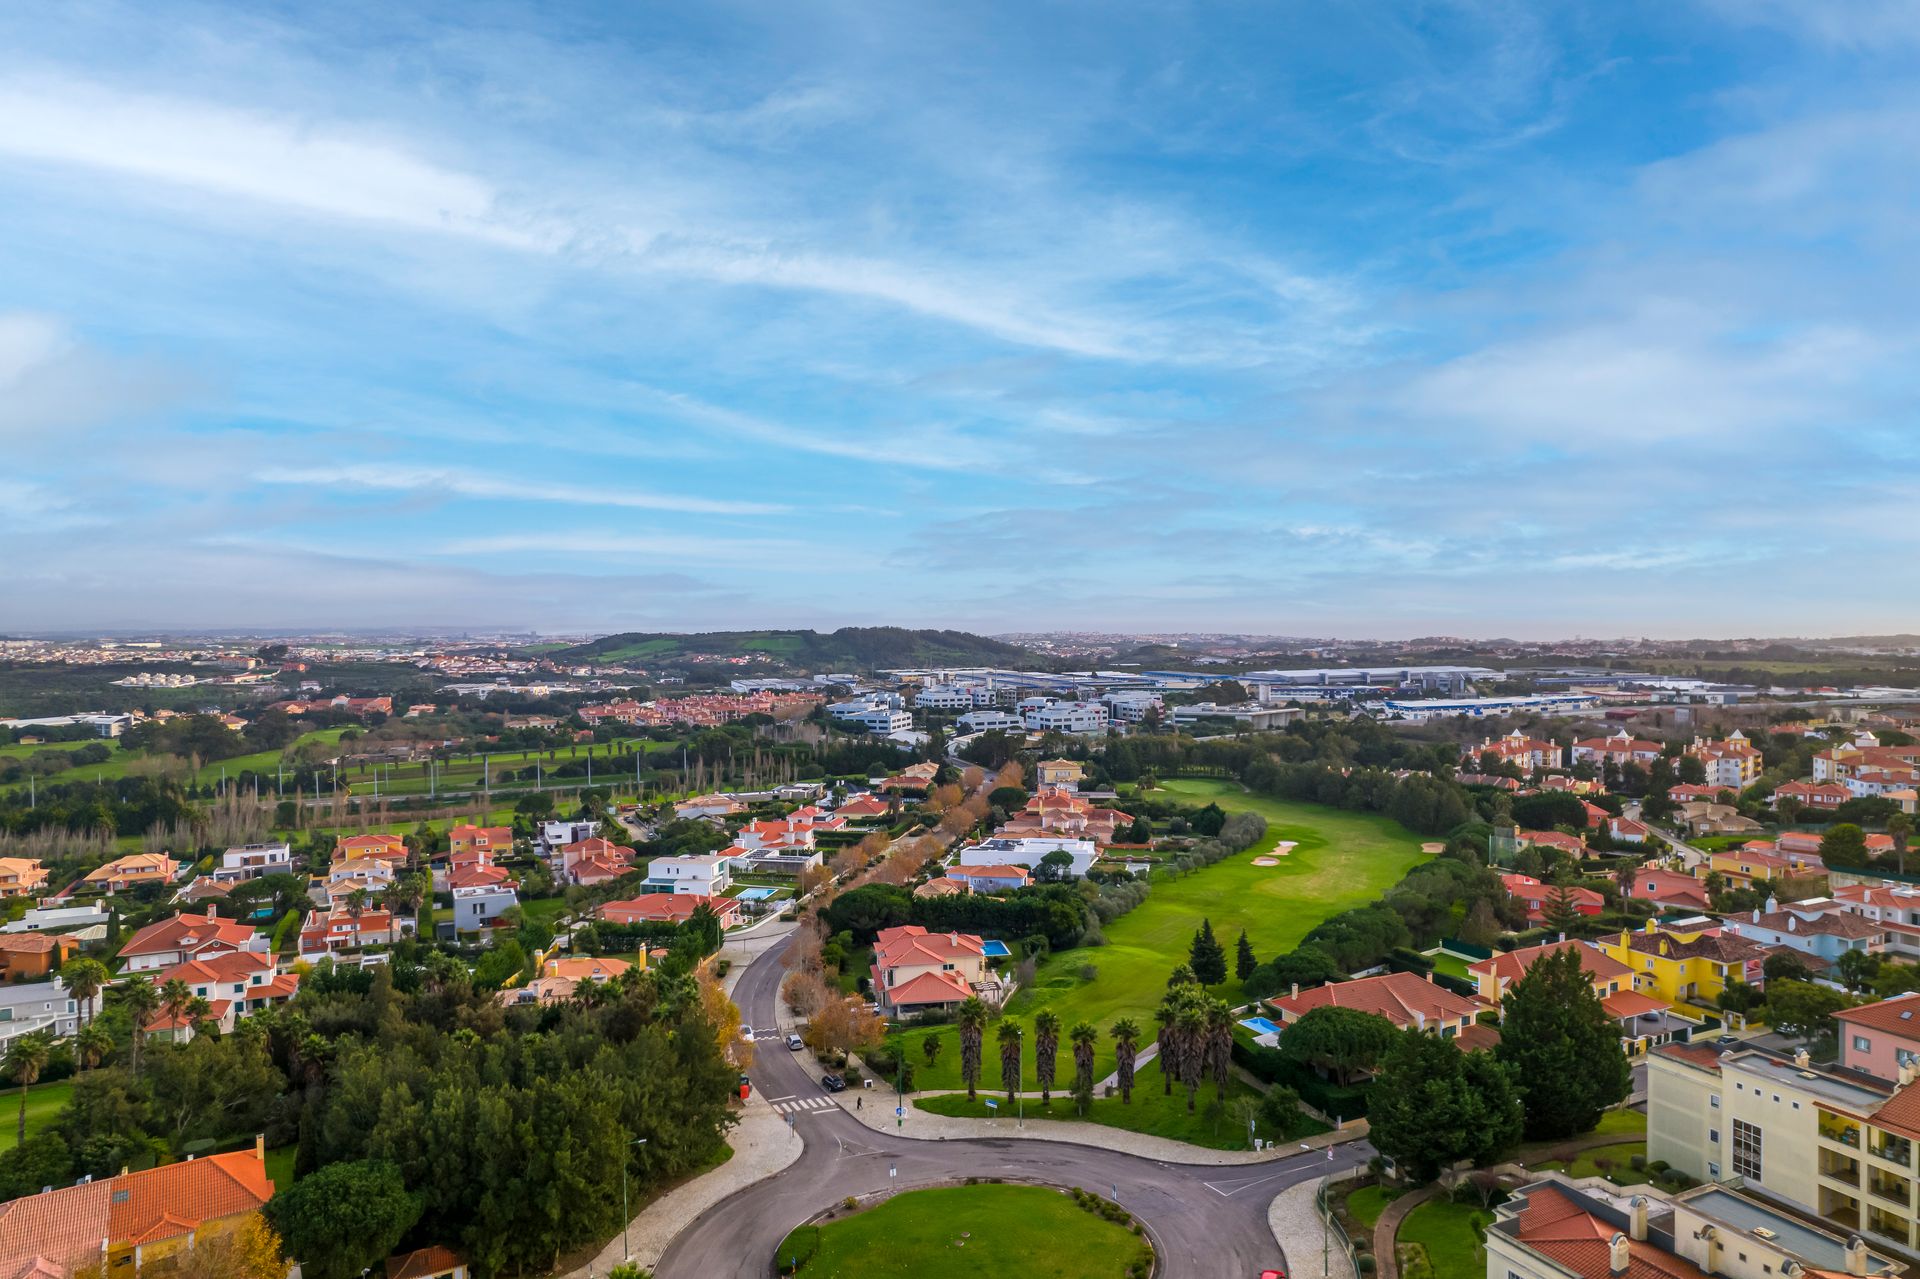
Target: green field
(122,762)
(1367,1203)
(1619,1161)
(44,1102)
(960,1232)
(1438,1240)
(1150,1112)
(1342,860)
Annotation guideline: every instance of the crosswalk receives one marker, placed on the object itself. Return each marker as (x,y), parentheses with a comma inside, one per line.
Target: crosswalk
(802,1105)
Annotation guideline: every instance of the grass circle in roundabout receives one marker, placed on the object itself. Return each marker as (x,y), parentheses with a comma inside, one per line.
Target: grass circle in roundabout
(952,1231)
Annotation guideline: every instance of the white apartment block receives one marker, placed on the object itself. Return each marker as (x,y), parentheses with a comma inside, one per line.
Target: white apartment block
(1068,717)
(987,721)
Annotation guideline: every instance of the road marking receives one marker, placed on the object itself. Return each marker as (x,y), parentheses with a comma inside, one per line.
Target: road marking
(788,1097)
(803,1105)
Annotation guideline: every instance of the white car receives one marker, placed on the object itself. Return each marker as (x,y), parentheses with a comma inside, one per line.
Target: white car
(746,1032)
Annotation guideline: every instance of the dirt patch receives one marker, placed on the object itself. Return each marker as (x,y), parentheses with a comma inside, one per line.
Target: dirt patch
(1433,847)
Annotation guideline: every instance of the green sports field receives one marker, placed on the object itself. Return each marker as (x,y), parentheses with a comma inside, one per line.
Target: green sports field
(1340,860)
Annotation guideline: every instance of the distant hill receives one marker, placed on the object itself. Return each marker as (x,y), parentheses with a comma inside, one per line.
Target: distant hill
(849,648)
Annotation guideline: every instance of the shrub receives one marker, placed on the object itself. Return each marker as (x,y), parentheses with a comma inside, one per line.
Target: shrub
(1364,1263)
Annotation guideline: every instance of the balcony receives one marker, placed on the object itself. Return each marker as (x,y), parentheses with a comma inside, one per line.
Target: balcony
(1892,1189)
(1840,1168)
(1895,1150)
(1888,1225)
(1843,1132)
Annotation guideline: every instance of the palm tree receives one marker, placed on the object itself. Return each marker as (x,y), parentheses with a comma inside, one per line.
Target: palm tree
(1046,1051)
(198,1013)
(1191,1019)
(175,995)
(141,999)
(930,1048)
(1084,1036)
(26,1058)
(1219,1053)
(973,1025)
(357,904)
(1010,1034)
(1166,1035)
(1126,1047)
(86,978)
(91,1045)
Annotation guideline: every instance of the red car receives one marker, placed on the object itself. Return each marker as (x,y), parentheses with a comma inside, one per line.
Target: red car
(1273,1274)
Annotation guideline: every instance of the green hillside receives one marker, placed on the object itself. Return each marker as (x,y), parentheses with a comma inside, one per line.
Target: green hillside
(851,647)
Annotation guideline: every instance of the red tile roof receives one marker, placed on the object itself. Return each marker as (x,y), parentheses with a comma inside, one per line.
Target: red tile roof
(1556,1227)
(188,932)
(1512,965)
(1402,998)
(912,944)
(929,988)
(1899,1015)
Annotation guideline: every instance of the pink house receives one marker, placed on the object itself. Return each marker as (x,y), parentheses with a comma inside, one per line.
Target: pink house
(1881,1038)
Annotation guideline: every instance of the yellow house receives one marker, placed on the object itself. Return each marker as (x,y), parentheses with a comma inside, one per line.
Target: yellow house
(1058,772)
(1687,966)
(1741,866)
(20,876)
(134,869)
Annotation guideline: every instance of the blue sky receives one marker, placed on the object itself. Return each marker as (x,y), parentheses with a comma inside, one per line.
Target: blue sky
(1389,319)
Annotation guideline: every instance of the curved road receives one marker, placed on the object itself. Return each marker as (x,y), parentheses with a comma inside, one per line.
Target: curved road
(1206,1219)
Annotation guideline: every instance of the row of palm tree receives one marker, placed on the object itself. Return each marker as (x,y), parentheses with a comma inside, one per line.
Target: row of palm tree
(1195,1037)
(1083,1036)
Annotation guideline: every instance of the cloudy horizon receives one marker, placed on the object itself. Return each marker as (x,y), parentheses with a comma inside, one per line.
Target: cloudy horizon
(1462,319)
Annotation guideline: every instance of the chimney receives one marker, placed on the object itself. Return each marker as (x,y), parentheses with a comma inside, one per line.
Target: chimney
(1618,1254)
(1801,1060)
(1906,1072)
(1296,990)
(1563,938)
(1710,1239)
(260,1146)
(1637,1218)
(1429,976)
(1856,1256)
(1756,914)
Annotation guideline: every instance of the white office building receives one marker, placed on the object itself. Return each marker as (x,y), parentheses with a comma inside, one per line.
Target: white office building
(945,697)
(988,721)
(1068,717)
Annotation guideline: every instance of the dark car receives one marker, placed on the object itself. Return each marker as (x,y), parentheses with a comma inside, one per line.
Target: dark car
(833,1083)
(1726,1041)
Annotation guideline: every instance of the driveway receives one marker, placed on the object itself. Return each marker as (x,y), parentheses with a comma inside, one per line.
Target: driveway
(1206,1220)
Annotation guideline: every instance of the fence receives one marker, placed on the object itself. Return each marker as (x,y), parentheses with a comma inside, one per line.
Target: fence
(1336,1235)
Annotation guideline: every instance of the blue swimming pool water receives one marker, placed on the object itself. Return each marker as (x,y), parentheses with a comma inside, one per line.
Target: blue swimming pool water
(994,949)
(1260,1026)
(755,894)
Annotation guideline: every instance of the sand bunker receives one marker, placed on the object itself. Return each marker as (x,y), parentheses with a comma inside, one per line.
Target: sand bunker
(1280,850)
(1266,861)
(1433,848)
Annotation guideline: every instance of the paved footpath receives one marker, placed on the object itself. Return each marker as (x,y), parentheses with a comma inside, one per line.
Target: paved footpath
(1294,1217)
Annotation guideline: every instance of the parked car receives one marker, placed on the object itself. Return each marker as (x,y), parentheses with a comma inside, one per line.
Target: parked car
(746,1031)
(833,1083)
(795,1043)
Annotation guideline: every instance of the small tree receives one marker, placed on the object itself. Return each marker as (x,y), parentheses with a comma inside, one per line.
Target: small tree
(26,1057)
(1207,957)
(930,1049)
(1244,961)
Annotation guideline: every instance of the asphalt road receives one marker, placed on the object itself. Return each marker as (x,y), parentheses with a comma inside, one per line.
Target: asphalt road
(1206,1220)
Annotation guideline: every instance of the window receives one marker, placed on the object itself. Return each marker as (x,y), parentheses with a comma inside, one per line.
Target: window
(1746,1150)
(1713,1170)
(1862,1044)
(1713,1136)
(1714,1101)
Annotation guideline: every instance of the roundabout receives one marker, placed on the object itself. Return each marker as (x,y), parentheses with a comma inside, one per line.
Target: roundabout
(966,1230)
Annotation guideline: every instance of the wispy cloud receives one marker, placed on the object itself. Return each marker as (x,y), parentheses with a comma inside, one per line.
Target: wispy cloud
(443,482)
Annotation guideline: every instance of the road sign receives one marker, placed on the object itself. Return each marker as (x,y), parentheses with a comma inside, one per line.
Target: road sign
(992,1104)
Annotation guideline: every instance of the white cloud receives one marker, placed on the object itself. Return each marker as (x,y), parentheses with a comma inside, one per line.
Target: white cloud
(315,167)
(453,483)
(51,382)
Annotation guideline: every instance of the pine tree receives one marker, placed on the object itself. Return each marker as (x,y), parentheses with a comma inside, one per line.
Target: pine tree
(1244,962)
(1560,911)
(1561,1047)
(1207,958)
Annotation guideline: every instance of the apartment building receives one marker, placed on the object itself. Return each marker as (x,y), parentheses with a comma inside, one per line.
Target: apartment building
(1731,763)
(1836,1143)
(1067,717)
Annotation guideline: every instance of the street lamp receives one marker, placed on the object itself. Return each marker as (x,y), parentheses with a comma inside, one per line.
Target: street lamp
(626,1228)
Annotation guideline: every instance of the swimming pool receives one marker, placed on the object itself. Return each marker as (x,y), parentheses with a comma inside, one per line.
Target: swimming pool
(757,894)
(1260,1025)
(994,949)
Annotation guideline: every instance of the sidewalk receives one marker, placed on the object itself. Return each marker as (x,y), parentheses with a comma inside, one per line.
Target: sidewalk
(762,1146)
(1302,1234)
(921,1126)
(1387,1228)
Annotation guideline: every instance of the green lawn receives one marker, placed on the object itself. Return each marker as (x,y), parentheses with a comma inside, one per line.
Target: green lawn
(1438,1240)
(543,910)
(960,1232)
(1367,1203)
(1151,1112)
(1622,1122)
(44,1103)
(1619,1169)
(1342,860)
(1448,965)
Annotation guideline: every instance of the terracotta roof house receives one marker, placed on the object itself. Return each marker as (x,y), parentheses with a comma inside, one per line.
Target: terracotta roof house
(21,876)
(340,932)
(1645,1019)
(668,908)
(187,936)
(595,861)
(493,840)
(943,886)
(1624,830)
(130,1220)
(391,849)
(437,1262)
(1617,749)
(34,956)
(916,971)
(1894,907)
(1822,928)
(1882,1037)
(476,876)
(1668,888)
(133,870)
(1572,845)
(991,879)
(1536,895)
(864,808)
(1529,754)
(1061,812)
(1402,998)
(1822,795)
(917,778)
